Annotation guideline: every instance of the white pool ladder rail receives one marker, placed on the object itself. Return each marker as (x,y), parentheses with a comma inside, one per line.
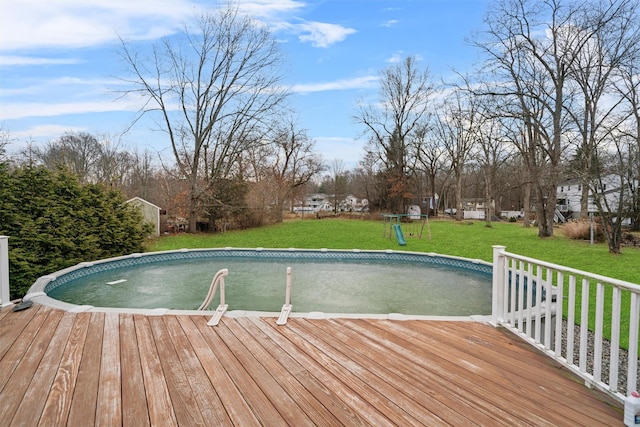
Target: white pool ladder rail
(222,308)
(286,308)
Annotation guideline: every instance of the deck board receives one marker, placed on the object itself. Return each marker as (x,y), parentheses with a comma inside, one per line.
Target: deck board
(58,401)
(60,368)
(85,394)
(134,408)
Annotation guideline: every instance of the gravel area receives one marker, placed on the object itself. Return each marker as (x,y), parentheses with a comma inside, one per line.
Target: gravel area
(623,360)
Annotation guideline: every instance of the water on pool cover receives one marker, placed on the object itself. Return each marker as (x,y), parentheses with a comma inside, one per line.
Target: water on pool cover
(331,286)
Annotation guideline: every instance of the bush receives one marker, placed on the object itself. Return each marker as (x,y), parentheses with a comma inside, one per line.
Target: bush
(54,222)
(581,230)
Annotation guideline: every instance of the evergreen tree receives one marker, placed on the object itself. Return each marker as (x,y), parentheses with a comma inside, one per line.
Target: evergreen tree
(55,222)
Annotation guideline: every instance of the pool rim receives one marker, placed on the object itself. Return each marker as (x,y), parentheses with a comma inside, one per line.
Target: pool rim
(37,292)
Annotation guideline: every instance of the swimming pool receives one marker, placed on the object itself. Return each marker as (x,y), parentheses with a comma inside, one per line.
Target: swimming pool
(330,281)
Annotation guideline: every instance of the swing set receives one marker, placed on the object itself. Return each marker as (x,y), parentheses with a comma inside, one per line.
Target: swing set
(411,225)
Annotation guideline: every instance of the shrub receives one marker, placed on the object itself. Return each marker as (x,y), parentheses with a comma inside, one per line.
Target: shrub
(581,230)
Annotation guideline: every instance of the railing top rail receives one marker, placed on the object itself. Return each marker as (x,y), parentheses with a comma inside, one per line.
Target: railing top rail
(616,282)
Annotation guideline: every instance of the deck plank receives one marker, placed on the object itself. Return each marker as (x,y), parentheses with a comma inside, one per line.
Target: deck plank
(226,391)
(523,384)
(251,392)
(323,387)
(85,396)
(207,400)
(134,400)
(58,402)
(357,358)
(263,349)
(17,341)
(483,353)
(456,376)
(109,410)
(358,410)
(275,392)
(18,383)
(417,394)
(156,390)
(13,323)
(35,396)
(183,399)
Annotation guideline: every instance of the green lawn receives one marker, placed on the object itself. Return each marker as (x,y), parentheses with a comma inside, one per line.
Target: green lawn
(465,239)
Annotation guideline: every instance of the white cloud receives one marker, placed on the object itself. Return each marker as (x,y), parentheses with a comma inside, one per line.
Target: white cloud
(322,34)
(40,109)
(390,23)
(31,24)
(9,60)
(348,150)
(364,82)
(45,131)
(268,9)
(396,57)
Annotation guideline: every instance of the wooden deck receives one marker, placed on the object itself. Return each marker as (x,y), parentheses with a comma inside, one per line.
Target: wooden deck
(59,368)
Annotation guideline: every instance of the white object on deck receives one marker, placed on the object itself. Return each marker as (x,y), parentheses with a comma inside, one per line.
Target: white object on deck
(222,308)
(286,308)
(4,271)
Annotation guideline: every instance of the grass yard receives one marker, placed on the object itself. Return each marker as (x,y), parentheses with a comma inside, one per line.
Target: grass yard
(465,239)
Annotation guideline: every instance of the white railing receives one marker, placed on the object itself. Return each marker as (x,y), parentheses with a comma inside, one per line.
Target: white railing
(222,308)
(4,272)
(287,307)
(565,313)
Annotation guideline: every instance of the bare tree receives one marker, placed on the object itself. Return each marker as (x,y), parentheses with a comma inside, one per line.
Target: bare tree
(614,42)
(339,183)
(405,94)
(283,167)
(627,85)
(491,153)
(431,156)
(212,90)
(457,125)
(532,47)
(79,153)
(5,138)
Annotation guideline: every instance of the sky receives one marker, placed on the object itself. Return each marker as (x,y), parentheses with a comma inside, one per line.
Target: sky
(60,71)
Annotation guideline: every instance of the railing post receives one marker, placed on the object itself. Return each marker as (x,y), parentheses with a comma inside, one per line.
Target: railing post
(498,287)
(4,272)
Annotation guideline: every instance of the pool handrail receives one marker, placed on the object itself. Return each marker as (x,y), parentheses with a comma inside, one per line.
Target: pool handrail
(287,307)
(222,308)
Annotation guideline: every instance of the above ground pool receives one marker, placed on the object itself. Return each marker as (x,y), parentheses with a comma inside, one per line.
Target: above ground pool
(329,281)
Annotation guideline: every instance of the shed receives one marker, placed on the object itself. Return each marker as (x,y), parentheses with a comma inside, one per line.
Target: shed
(150,212)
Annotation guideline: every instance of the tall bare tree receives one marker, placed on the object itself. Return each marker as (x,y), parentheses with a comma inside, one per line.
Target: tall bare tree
(457,124)
(78,152)
(532,48)
(211,88)
(613,43)
(431,156)
(627,85)
(281,169)
(405,94)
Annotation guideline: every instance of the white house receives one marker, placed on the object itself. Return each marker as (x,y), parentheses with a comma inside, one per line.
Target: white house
(324,202)
(150,212)
(569,194)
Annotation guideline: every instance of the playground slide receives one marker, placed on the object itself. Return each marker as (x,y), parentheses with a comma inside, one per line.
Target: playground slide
(399,235)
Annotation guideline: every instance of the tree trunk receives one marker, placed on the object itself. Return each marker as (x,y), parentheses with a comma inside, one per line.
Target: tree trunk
(527,203)
(584,198)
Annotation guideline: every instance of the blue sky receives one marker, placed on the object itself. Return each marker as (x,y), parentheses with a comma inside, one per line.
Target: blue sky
(59,68)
